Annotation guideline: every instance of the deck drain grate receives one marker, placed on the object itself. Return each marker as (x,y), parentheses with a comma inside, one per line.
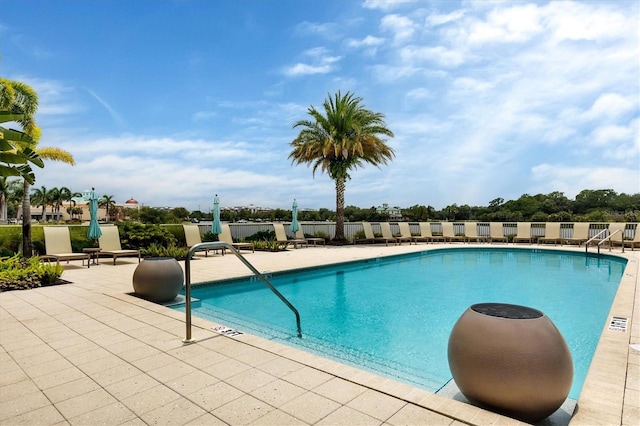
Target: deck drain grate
(618,324)
(226,331)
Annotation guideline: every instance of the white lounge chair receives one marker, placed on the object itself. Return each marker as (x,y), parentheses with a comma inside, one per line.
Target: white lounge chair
(496,232)
(369,236)
(57,243)
(551,233)
(281,237)
(426,235)
(192,237)
(110,244)
(314,240)
(471,232)
(523,233)
(385,228)
(580,233)
(449,234)
(226,237)
(405,232)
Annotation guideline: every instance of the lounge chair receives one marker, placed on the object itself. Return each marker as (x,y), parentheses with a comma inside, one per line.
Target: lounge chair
(369,236)
(580,233)
(496,232)
(281,237)
(551,233)
(426,235)
(471,232)
(110,244)
(226,237)
(57,243)
(314,240)
(405,232)
(616,232)
(523,234)
(635,242)
(385,228)
(193,237)
(449,234)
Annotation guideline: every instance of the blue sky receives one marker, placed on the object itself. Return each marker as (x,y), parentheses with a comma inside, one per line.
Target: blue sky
(171,102)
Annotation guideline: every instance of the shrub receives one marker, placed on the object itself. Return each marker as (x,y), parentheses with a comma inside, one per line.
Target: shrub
(10,238)
(209,237)
(262,236)
(139,236)
(156,250)
(269,245)
(18,273)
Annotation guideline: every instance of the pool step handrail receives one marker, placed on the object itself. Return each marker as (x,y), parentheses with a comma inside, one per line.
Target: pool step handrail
(227,246)
(595,237)
(608,238)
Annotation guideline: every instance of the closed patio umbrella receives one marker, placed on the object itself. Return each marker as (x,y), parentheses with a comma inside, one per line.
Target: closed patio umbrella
(294,218)
(94,231)
(216,227)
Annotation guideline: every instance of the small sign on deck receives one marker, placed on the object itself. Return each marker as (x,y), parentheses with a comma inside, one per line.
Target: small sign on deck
(618,324)
(226,331)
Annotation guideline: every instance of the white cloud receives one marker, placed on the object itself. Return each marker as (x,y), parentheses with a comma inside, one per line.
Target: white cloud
(438,54)
(385,5)
(610,105)
(586,21)
(323,63)
(326,30)
(401,27)
(436,19)
(573,179)
(503,25)
(368,41)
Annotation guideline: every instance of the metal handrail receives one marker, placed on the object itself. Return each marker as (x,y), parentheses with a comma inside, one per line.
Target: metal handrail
(609,237)
(187,282)
(586,244)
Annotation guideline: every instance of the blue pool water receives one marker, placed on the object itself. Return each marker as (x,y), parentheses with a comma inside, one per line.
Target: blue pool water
(394,315)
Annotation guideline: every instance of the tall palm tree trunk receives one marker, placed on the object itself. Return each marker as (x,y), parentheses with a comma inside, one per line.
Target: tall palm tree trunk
(340,186)
(27,246)
(3,208)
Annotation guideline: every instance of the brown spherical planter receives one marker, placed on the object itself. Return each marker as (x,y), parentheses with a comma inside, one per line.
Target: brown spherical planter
(511,359)
(158,279)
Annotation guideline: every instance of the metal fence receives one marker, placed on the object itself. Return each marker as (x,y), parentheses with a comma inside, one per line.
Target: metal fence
(241,231)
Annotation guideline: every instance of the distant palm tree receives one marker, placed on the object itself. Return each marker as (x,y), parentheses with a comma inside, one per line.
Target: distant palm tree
(108,203)
(62,194)
(347,136)
(8,189)
(41,197)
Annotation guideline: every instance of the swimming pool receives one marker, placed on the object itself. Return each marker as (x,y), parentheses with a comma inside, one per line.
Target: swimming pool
(394,315)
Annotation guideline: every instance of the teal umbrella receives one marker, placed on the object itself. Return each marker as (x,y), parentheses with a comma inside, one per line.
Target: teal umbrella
(294,217)
(216,227)
(94,231)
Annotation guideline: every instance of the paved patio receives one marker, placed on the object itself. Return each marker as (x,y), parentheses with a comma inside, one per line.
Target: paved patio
(89,353)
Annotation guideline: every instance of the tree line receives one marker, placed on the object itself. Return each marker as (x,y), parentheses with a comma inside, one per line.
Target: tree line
(601,205)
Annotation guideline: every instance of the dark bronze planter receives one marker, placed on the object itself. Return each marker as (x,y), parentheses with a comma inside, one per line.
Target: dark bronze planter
(511,359)
(158,279)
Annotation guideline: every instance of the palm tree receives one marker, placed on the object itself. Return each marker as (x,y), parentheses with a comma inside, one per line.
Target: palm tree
(108,203)
(19,98)
(347,136)
(8,189)
(41,197)
(59,196)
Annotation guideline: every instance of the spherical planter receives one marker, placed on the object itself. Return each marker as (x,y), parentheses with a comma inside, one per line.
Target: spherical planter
(511,359)
(158,279)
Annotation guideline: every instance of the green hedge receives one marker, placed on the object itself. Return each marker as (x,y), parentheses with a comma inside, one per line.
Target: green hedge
(132,235)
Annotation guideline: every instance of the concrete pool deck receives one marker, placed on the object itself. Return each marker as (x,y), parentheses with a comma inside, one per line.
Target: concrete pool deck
(89,353)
